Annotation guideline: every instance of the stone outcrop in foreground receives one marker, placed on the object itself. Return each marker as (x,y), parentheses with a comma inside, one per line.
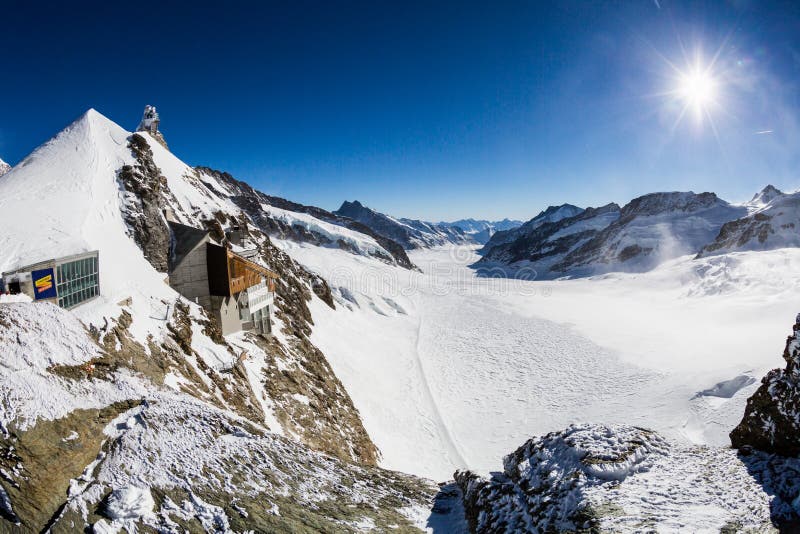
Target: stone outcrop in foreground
(613,478)
(771,421)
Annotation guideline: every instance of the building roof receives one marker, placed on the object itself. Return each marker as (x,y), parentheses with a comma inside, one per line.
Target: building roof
(184,240)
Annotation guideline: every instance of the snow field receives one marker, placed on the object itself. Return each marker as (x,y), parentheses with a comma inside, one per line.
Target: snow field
(473,366)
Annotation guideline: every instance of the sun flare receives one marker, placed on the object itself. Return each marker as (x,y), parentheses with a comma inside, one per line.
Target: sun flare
(698,89)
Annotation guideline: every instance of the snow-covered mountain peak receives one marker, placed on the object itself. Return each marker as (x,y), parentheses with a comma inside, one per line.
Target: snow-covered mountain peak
(4,167)
(63,196)
(765,196)
(772,222)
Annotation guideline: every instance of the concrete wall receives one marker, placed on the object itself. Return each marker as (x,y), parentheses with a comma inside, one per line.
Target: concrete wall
(226,311)
(190,277)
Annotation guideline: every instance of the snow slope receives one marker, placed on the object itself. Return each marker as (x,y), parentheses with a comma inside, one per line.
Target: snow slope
(138,453)
(64,199)
(451,371)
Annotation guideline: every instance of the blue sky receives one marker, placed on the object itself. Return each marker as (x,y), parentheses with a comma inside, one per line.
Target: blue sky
(437,110)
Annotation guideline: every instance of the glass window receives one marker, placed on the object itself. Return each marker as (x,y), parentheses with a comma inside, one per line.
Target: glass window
(77,281)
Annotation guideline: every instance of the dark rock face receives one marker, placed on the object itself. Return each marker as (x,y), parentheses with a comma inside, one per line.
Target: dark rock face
(771,421)
(410,233)
(739,232)
(145,188)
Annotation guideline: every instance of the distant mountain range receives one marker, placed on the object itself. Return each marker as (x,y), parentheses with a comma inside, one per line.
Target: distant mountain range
(569,241)
(482,230)
(413,233)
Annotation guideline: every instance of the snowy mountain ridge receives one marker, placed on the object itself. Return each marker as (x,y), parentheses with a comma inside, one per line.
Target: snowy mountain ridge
(641,235)
(410,233)
(544,242)
(4,167)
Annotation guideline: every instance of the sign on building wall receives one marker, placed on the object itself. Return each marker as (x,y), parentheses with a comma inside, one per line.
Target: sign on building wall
(44,284)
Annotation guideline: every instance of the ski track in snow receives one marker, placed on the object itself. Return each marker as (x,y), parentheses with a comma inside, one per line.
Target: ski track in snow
(455,454)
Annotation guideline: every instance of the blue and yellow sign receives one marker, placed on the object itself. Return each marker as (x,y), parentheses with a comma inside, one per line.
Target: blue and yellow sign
(44,284)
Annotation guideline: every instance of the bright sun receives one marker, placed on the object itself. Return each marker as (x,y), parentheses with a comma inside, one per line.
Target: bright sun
(698,89)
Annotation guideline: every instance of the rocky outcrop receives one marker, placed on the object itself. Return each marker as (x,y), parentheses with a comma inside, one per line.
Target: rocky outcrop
(144,190)
(410,233)
(615,478)
(114,422)
(545,483)
(4,167)
(771,421)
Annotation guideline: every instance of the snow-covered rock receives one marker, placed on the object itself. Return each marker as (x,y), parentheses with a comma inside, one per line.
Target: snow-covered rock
(4,167)
(773,222)
(409,233)
(771,420)
(129,502)
(607,478)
